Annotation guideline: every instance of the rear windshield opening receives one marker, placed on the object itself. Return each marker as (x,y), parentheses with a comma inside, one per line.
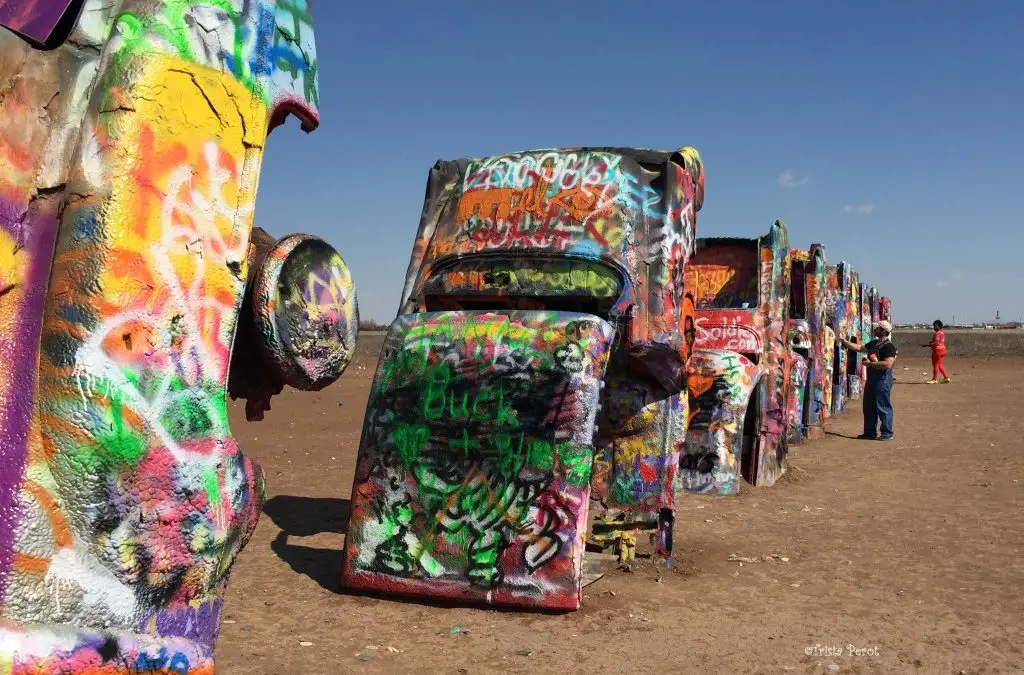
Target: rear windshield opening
(506,284)
(725,276)
(599,307)
(797,292)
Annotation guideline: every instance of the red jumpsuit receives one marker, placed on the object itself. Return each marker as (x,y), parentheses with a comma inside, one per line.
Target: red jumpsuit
(938,345)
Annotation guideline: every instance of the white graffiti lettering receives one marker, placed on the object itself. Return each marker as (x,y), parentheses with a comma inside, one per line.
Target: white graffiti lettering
(731,335)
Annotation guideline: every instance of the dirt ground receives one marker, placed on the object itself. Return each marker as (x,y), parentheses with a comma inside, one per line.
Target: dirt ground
(910,551)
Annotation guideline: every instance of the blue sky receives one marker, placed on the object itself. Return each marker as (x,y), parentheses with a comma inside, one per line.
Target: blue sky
(893,132)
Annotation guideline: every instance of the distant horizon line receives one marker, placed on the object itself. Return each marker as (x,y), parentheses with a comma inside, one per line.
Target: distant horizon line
(1018,323)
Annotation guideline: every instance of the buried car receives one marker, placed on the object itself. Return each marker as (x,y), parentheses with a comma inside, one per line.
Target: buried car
(885,308)
(534,374)
(131,141)
(844,323)
(739,374)
(807,406)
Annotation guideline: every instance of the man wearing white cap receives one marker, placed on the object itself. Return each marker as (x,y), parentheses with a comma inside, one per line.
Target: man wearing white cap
(881,355)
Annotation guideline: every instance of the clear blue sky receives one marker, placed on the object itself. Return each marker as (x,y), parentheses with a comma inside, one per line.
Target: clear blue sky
(893,132)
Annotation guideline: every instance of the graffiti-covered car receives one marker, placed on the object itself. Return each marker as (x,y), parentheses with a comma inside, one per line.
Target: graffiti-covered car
(807,405)
(885,308)
(739,374)
(543,322)
(131,139)
(861,333)
(845,324)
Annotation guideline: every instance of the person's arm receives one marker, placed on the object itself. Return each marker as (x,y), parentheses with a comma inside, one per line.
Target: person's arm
(854,346)
(884,364)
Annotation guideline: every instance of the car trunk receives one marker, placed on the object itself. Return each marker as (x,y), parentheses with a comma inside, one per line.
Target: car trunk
(474,467)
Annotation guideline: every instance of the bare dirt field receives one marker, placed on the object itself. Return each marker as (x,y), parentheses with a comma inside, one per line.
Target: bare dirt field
(910,551)
(963,342)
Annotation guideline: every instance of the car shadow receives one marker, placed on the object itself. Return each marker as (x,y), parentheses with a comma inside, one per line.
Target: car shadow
(305,517)
(847,436)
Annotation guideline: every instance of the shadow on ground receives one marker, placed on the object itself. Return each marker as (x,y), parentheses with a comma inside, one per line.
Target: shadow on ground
(305,517)
(852,437)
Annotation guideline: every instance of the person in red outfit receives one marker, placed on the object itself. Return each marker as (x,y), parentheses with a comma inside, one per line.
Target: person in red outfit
(938,346)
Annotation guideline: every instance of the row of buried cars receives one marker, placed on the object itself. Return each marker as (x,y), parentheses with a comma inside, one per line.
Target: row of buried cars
(568,356)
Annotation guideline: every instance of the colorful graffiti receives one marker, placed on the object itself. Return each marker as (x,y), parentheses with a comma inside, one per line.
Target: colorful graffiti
(855,310)
(839,281)
(822,346)
(606,231)
(885,308)
(299,321)
(60,651)
(474,469)
(732,330)
(641,435)
(721,384)
(830,347)
(783,311)
(129,160)
(636,221)
(571,201)
(721,275)
(852,309)
(798,398)
(807,401)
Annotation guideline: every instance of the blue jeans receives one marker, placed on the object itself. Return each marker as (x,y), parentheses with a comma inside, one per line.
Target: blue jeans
(878,408)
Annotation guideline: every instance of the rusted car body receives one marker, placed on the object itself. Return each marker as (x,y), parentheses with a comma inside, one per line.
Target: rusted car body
(543,323)
(739,376)
(131,140)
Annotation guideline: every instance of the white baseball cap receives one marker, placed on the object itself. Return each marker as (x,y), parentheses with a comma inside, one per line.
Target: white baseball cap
(884,325)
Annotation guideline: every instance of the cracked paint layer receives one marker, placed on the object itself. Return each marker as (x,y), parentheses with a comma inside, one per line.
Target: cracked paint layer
(129,161)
